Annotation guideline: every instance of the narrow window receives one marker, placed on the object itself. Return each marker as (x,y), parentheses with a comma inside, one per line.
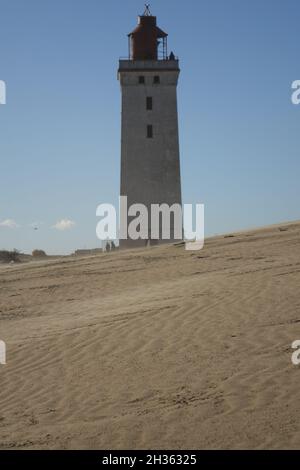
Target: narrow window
(156,79)
(149,103)
(141,79)
(149,131)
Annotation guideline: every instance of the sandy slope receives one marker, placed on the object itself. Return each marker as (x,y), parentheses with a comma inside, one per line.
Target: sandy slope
(157,348)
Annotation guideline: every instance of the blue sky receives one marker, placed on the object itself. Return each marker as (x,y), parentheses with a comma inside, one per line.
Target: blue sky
(60,128)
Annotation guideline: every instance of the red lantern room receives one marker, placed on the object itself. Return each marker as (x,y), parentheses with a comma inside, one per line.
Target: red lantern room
(147,41)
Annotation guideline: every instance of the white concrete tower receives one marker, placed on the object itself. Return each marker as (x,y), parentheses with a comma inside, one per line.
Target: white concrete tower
(150,166)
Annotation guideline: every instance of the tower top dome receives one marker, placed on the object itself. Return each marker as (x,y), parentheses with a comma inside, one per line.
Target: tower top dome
(146,38)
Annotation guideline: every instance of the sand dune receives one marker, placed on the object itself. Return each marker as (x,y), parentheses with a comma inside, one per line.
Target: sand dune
(158,348)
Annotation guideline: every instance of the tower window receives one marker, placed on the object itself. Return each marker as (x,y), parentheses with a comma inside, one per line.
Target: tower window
(150,132)
(156,79)
(149,103)
(141,79)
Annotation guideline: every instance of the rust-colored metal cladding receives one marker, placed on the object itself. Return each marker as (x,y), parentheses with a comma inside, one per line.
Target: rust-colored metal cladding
(144,39)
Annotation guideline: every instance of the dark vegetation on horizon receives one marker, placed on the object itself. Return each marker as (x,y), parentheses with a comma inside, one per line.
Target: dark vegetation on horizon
(15,256)
(9,256)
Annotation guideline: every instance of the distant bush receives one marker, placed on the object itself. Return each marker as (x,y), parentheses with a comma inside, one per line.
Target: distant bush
(39,254)
(9,256)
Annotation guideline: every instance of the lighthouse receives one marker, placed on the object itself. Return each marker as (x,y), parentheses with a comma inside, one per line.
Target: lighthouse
(150,162)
